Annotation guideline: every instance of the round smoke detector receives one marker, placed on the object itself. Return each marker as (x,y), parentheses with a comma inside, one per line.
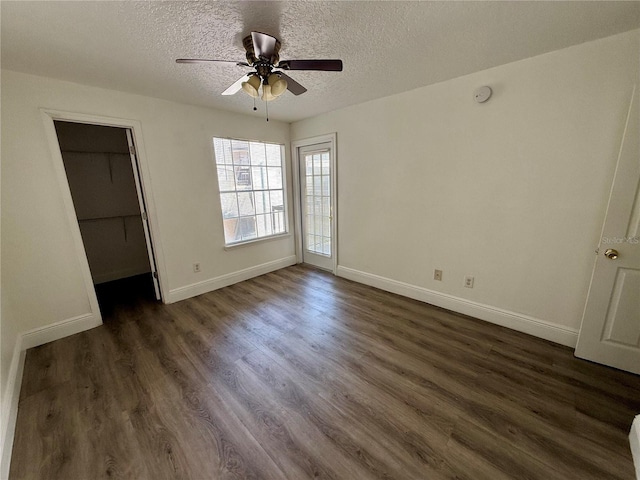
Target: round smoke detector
(482,94)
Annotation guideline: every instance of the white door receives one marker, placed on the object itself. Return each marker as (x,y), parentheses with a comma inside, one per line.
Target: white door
(143,212)
(610,332)
(317,196)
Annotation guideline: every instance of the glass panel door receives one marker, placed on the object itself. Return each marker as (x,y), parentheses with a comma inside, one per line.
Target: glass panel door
(317,205)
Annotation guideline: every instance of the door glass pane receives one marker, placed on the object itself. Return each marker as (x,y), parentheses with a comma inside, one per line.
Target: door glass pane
(326,185)
(317,198)
(317,185)
(325,163)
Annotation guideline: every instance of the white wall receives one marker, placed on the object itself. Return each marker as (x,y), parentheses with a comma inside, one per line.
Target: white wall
(42,280)
(513,191)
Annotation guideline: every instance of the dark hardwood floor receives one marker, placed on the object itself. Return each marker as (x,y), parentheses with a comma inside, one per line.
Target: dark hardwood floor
(299,374)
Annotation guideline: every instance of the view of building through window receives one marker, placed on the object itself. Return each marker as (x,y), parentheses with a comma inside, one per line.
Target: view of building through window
(251,184)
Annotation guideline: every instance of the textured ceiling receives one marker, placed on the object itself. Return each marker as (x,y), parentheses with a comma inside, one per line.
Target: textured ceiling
(387,47)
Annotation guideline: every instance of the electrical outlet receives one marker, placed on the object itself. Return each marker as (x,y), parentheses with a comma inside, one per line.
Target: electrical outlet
(468,281)
(437,275)
(196,267)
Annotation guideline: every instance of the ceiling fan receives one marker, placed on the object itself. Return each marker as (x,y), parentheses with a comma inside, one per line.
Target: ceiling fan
(263,54)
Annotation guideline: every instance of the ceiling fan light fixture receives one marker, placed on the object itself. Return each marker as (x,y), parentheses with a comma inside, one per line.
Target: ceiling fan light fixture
(251,86)
(267,96)
(278,85)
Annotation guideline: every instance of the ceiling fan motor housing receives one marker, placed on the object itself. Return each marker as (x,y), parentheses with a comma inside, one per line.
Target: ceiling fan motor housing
(247,42)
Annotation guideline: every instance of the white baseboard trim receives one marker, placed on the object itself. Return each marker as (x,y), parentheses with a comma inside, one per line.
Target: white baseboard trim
(516,321)
(634,440)
(58,330)
(215,283)
(10,407)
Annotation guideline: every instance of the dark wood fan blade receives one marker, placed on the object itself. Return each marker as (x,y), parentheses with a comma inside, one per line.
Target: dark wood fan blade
(293,86)
(325,65)
(237,86)
(263,45)
(204,60)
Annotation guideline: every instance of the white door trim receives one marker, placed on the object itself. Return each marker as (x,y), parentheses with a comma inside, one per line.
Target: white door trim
(48,117)
(330,138)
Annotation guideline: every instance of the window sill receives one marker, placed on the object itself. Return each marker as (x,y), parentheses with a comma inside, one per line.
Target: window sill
(233,246)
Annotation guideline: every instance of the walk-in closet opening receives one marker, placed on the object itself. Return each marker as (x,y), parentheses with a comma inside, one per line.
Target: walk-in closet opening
(102,170)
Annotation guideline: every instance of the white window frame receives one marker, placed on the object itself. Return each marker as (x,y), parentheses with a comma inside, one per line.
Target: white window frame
(283,166)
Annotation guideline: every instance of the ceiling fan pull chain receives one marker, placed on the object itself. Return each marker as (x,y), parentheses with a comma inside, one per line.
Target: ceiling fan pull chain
(254,104)
(267,106)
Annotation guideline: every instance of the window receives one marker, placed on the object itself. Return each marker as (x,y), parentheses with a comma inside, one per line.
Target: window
(251,184)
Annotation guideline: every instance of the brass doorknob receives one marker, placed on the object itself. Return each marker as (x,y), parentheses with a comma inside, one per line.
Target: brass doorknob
(611,254)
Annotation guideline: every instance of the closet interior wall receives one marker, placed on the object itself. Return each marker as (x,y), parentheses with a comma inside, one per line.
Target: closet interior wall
(100,173)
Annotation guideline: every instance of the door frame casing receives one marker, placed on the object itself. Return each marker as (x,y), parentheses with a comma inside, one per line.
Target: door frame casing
(49,116)
(296,145)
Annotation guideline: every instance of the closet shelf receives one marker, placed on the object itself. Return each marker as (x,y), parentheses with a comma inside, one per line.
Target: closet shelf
(92,153)
(94,219)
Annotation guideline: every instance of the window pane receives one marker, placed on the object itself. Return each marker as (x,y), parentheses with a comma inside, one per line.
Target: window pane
(274,155)
(309,164)
(265,225)
(275,177)
(226,179)
(243,178)
(263,205)
(222,148)
(245,204)
(247,227)
(231,233)
(259,178)
(250,181)
(316,165)
(240,152)
(229,204)
(317,185)
(258,155)
(278,221)
(277,202)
